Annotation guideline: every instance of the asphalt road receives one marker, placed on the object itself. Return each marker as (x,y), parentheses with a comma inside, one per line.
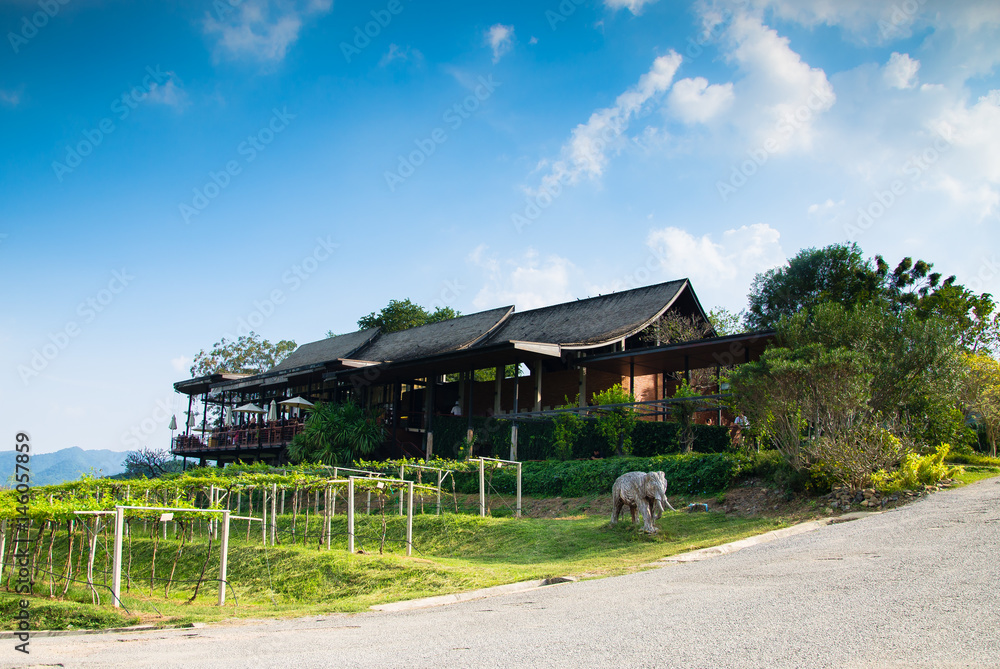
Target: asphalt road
(913,587)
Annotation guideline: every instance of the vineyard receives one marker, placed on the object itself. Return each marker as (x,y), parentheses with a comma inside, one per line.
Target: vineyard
(175,532)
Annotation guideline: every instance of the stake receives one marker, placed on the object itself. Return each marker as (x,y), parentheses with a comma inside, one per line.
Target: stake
(409,522)
(350,514)
(519,490)
(482,489)
(225,557)
(116,582)
(402,477)
(439,493)
(274,503)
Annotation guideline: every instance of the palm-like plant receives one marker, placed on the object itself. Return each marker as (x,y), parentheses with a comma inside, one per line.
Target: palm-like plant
(337,434)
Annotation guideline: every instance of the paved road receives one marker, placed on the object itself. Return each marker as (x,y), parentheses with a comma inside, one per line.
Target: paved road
(914,587)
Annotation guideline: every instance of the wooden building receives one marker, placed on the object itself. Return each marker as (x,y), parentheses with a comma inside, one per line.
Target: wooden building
(563,351)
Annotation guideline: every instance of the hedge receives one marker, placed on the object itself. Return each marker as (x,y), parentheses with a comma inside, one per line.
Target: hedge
(535,438)
(687,474)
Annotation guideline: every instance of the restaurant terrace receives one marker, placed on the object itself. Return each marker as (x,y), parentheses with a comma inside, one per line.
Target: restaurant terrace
(536,360)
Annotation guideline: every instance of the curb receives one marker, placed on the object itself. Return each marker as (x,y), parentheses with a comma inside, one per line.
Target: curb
(442,600)
(40,634)
(732,547)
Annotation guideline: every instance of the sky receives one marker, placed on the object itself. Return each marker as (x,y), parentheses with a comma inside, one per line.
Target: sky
(173,173)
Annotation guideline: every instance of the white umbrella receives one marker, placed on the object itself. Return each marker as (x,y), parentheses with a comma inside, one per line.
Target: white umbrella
(192,421)
(249,408)
(228,418)
(173,423)
(272,414)
(300,402)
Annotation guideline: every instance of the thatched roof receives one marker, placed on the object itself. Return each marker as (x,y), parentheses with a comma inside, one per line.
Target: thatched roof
(325,350)
(590,322)
(450,335)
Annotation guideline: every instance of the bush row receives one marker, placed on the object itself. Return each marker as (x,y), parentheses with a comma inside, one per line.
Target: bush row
(687,474)
(536,442)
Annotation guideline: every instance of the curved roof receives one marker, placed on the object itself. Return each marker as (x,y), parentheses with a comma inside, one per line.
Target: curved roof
(593,321)
(325,350)
(450,335)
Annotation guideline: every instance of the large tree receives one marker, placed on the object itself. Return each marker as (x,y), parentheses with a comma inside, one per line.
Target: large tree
(403,315)
(150,463)
(247,355)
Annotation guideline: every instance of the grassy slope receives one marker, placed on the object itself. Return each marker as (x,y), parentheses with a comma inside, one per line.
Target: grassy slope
(452,553)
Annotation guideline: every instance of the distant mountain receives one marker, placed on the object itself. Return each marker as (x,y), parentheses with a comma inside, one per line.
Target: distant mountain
(65,465)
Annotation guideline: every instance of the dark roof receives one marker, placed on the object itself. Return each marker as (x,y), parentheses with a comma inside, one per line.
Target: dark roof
(450,335)
(593,321)
(325,350)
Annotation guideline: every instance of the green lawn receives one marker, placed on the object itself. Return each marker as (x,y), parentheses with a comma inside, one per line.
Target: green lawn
(452,553)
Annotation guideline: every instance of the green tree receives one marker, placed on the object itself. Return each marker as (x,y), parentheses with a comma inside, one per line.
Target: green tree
(150,463)
(981,394)
(725,322)
(683,412)
(403,315)
(616,424)
(838,272)
(247,355)
(337,434)
(566,429)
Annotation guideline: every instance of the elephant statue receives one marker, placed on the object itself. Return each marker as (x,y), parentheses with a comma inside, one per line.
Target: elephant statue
(645,490)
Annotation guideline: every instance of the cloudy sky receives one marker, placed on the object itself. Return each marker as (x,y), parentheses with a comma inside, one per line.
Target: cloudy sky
(176,172)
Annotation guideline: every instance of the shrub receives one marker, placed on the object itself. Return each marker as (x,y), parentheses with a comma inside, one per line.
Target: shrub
(916,471)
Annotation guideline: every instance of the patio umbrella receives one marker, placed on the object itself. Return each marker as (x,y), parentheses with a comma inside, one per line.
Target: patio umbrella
(272,413)
(228,418)
(249,408)
(192,421)
(299,402)
(173,423)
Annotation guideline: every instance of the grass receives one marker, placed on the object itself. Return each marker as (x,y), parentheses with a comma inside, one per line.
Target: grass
(452,553)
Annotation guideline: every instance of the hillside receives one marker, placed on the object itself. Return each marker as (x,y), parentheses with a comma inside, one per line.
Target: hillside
(67,464)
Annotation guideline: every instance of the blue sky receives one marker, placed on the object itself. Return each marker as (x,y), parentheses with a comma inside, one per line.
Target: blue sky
(173,173)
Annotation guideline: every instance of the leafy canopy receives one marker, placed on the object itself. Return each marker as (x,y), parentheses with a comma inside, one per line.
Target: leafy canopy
(403,315)
(247,355)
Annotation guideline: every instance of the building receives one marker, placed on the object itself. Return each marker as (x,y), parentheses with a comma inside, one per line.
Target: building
(534,360)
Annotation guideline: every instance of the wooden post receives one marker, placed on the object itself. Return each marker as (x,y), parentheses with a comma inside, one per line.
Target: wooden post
(224,559)
(438,494)
(537,374)
(350,514)
(402,476)
(513,424)
(3,546)
(330,494)
(482,488)
(409,522)
(519,490)
(582,387)
(116,576)
(274,508)
(497,389)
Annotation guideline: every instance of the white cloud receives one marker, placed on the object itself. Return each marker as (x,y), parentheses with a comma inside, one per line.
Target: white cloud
(781,96)
(181,363)
(10,98)
(634,6)
(260,29)
(585,154)
(527,282)
(500,38)
(169,94)
(404,54)
(714,267)
(826,206)
(695,101)
(901,71)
